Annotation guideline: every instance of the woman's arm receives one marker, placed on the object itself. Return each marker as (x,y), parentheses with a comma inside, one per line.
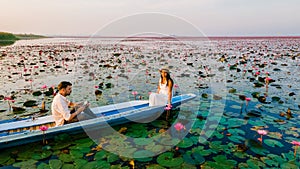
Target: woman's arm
(170,87)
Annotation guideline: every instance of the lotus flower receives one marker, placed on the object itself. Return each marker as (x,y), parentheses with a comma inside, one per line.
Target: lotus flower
(248,99)
(43,129)
(168,107)
(44,86)
(176,86)
(296,144)
(179,126)
(261,132)
(134,93)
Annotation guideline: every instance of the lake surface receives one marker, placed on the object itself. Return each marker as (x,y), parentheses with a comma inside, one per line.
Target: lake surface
(243,86)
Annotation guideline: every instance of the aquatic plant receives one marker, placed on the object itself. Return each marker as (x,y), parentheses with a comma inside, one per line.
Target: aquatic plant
(134,93)
(261,133)
(43,129)
(296,144)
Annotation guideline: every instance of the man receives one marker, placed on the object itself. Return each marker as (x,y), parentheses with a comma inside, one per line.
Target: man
(60,105)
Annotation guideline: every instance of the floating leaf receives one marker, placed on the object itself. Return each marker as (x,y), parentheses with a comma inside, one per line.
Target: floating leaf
(43,166)
(193,158)
(273,143)
(154,166)
(26,164)
(100,155)
(54,164)
(142,141)
(4,157)
(167,160)
(288,166)
(79,163)
(112,157)
(236,131)
(96,164)
(185,143)
(255,163)
(68,166)
(42,155)
(236,139)
(76,154)
(144,155)
(65,158)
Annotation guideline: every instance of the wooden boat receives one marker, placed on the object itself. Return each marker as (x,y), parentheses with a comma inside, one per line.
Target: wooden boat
(14,133)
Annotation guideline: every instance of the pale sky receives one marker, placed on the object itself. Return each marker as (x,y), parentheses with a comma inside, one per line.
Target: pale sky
(212,17)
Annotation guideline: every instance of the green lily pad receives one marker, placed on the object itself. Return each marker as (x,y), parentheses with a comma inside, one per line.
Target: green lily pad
(241,155)
(54,164)
(68,166)
(167,160)
(43,166)
(256,123)
(235,122)
(238,107)
(236,139)
(65,158)
(100,155)
(221,162)
(193,158)
(26,164)
(154,166)
(96,165)
(289,166)
(236,131)
(61,145)
(185,143)
(156,148)
(24,155)
(255,163)
(259,150)
(142,141)
(112,157)
(201,151)
(79,163)
(76,154)
(143,154)
(273,143)
(42,155)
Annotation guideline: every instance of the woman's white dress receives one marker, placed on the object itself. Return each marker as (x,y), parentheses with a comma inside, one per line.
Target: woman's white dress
(161,98)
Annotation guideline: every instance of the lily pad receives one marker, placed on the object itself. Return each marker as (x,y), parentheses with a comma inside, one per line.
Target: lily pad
(65,158)
(30,103)
(68,166)
(142,141)
(42,155)
(289,166)
(26,164)
(236,131)
(167,160)
(236,139)
(54,164)
(193,158)
(112,157)
(4,157)
(273,143)
(96,164)
(43,166)
(79,163)
(185,143)
(154,166)
(143,155)
(255,163)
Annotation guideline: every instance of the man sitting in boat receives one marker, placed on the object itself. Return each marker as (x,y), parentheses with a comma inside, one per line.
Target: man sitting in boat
(60,106)
(164,89)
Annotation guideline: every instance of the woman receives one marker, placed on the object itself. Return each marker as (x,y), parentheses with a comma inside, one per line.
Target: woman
(164,90)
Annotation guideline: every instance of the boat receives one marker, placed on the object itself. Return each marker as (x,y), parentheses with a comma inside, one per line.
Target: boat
(18,132)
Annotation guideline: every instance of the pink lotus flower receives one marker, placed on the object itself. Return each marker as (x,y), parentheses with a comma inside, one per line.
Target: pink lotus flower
(176,86)
(168,107)
(262,132)
(96,87)
(248,99)
(296,143)
(44,87)
(134,93)
(257,73)
(179,126)
(149,93)
(43,128)
(268,79)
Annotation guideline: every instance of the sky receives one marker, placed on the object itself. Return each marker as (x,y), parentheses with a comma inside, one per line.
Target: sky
(176,17)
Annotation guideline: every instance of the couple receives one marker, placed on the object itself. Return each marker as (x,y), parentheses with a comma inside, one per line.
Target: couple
(62,114)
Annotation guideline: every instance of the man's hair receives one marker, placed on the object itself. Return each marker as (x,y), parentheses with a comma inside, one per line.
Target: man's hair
(63,85)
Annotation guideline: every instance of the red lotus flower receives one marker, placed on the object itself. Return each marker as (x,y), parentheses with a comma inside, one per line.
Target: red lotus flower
(43,128)
(179,126)
(44,86)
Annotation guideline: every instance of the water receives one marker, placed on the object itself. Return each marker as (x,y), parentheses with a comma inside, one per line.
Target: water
(220,129)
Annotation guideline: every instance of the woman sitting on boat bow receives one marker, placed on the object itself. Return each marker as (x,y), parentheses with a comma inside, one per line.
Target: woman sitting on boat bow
(164,94)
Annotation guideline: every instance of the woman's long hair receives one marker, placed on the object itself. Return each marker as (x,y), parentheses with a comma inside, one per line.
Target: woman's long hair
(168,78)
